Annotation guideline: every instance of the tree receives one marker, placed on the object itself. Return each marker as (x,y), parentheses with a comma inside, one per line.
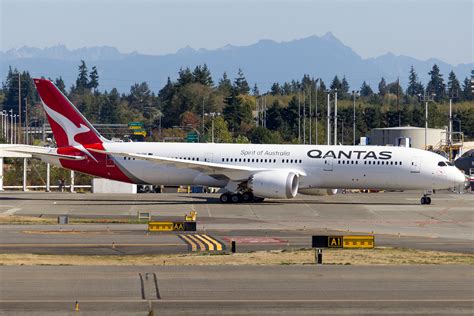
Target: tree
(275,89)
(82,81)
(335,84)
(255,91)
(261,135)
(59,82)
(241,85)
(225,85)
(366,90)
(436,84)
(414,85)
(467,90)
(221,131)
(454,87)
(93,79)
(236,112)
(241,139)
(185,76)
(344,88)
(275,119)
(202,75)
(382,87)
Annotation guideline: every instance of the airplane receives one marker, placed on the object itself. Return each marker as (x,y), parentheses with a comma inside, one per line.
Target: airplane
(245,172)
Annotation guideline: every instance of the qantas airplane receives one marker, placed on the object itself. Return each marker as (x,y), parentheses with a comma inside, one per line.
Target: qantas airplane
(246,172)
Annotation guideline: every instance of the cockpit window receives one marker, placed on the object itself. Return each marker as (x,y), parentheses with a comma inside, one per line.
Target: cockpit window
(442,164)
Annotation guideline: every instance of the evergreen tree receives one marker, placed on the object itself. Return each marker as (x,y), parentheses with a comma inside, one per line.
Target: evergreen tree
(225,85)
(382,87)
(93,79)
(275,118)
(275,89)
(366,90)
(454,87)
(185,77)
(467,90)
(413,83)
(255,90)
(202,75)
(82,81)
(59,82)
(335,84)
(241,85)
(344,88)
(436,84)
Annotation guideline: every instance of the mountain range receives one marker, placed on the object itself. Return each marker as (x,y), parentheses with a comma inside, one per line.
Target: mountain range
(264,63)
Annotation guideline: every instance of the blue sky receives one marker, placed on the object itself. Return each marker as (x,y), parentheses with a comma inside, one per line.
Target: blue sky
(421,28)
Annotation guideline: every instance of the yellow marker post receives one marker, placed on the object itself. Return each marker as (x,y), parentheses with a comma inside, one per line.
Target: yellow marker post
(76,306)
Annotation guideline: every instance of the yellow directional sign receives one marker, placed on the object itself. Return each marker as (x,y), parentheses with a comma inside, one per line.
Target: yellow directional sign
(171,226)
(160,226)
(335,241)
(359,242)
(355,241)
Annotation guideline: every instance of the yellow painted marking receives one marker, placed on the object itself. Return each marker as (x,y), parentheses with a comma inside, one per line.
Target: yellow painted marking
(209,243)
(189,242)
(196,240)
(216,242)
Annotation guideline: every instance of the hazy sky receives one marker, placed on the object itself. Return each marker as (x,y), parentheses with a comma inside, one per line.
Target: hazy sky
(418,28)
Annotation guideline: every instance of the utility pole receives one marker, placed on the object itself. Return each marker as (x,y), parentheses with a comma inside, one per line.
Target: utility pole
(398,102)
(310,117)
(27,139)
(304,117)
(299,117)
(335,117)
(354,118)
(328,133)
(426,98)
(316,114)
(19,103)
(11,126)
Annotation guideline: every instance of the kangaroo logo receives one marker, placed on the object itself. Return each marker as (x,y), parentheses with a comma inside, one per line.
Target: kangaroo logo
(70,129)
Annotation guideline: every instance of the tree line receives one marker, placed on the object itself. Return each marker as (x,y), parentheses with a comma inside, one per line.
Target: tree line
(290,112)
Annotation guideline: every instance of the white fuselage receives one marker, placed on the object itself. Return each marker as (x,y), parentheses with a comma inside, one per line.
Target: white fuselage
(357,167)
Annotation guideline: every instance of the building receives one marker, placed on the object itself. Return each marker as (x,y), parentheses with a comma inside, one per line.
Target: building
(396,136)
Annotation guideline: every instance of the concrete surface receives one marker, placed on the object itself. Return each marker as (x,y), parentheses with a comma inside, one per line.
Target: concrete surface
(275,290)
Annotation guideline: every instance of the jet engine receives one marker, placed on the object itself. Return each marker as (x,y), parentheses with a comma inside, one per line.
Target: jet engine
(274,184)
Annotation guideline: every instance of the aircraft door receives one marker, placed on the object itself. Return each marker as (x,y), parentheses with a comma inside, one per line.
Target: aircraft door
(415,165)
(328,164)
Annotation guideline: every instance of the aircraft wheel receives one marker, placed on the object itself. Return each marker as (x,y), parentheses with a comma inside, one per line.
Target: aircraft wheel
(236,198)
(247,197)
(428,200)
(224,198)
(423,200)
(258,199)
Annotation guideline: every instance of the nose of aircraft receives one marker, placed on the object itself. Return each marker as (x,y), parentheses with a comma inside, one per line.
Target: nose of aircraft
(457,177)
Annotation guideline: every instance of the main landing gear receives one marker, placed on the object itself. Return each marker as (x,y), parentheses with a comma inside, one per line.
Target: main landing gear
(426,200)
(245,197)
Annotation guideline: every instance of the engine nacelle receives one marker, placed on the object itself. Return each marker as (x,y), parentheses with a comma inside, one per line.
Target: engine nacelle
(274,184)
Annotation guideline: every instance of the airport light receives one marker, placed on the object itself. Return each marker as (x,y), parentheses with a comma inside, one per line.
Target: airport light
(354,94)
(426,98)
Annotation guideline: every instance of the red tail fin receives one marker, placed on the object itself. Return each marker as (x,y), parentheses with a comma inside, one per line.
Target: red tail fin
(70,127)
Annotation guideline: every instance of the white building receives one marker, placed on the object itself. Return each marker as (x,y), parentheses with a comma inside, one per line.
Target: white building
(396,135)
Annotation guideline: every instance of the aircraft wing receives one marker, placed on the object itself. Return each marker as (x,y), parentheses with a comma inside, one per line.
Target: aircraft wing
(232,172)
(34,151)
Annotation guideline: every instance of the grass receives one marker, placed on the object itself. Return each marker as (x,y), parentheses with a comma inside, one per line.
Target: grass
(377,256)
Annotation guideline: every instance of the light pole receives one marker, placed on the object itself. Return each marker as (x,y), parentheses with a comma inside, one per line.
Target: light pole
(354,94)
(316,114)
(328,133)
(335,117)
(212,115)
(426,98)
(11,126)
